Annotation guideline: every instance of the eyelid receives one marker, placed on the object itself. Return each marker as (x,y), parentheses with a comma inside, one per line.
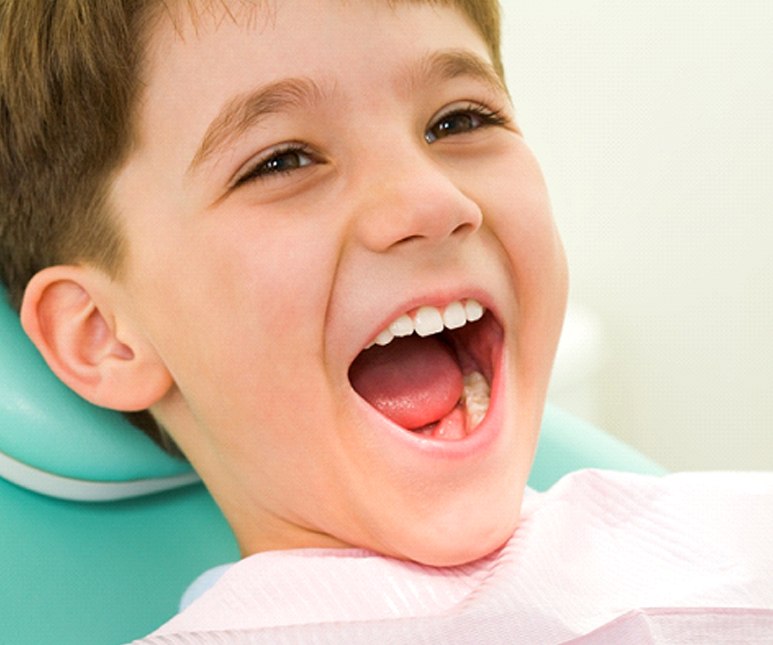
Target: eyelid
(491,116)
(247,171)
(464,106)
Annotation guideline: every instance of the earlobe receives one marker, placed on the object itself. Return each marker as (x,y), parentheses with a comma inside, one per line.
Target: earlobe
(66,312)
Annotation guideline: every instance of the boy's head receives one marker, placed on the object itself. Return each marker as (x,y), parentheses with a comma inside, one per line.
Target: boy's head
(274,186)
(70,79)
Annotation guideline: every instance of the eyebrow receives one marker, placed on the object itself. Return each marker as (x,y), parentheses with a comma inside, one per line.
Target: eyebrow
(454,63)
(247,110)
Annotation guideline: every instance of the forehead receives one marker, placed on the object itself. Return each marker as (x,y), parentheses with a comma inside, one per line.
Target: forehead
(201,12)
(201,55)
(191,17)
(186,24)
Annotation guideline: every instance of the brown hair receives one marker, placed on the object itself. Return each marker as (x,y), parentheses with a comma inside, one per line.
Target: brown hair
(486,16)
(69,82)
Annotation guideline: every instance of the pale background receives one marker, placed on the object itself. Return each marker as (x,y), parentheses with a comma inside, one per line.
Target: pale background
(653,121)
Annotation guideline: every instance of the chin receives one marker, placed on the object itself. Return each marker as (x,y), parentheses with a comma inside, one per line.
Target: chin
(449,544)
(465,548)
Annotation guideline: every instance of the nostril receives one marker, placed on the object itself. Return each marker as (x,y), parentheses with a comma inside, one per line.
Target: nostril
(463,229)
(409,215)
(407,240)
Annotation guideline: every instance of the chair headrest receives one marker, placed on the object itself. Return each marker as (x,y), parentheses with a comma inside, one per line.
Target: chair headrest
(55,443)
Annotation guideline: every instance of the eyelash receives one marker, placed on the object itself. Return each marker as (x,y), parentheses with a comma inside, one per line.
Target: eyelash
(261,170)
(485,117)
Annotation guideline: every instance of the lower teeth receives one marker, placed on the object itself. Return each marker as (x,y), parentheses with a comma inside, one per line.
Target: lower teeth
(475,399)
(476,396)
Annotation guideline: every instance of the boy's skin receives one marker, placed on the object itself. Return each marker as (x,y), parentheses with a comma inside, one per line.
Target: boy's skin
(240,309)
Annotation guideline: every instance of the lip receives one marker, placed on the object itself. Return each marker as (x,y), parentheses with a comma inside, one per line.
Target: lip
(477,443)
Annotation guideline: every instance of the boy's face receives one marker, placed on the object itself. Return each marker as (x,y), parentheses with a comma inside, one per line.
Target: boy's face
(304,176)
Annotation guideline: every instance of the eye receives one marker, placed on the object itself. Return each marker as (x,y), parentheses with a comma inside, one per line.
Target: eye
(461,121)
(280,161)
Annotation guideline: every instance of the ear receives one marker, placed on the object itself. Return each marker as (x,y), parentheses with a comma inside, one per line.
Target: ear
(67,312)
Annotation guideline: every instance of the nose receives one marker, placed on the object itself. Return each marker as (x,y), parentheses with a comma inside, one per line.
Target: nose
(410,201)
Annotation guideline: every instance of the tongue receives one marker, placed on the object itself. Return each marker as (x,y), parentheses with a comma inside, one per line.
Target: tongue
(413,381)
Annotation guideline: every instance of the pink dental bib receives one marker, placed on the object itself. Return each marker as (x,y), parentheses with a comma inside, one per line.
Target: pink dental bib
(602,557)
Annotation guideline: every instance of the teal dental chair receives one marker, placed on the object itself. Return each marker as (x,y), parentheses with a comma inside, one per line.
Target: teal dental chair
(101,532)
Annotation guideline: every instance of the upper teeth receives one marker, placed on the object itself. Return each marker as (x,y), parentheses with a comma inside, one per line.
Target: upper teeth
(430,320)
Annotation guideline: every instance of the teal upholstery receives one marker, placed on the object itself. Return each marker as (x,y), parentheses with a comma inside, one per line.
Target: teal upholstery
(82,572)
(567,444)
(77,573)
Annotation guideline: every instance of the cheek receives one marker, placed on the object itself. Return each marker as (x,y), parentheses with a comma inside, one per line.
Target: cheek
(523,223)
(242,297)
(518,211)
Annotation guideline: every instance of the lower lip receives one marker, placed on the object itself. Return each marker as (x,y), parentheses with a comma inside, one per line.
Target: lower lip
(477,443)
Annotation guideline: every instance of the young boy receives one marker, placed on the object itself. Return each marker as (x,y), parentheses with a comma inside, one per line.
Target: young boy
(296,178)
(308,237)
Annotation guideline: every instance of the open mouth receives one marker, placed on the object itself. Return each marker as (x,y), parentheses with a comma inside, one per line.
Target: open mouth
(430,372)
